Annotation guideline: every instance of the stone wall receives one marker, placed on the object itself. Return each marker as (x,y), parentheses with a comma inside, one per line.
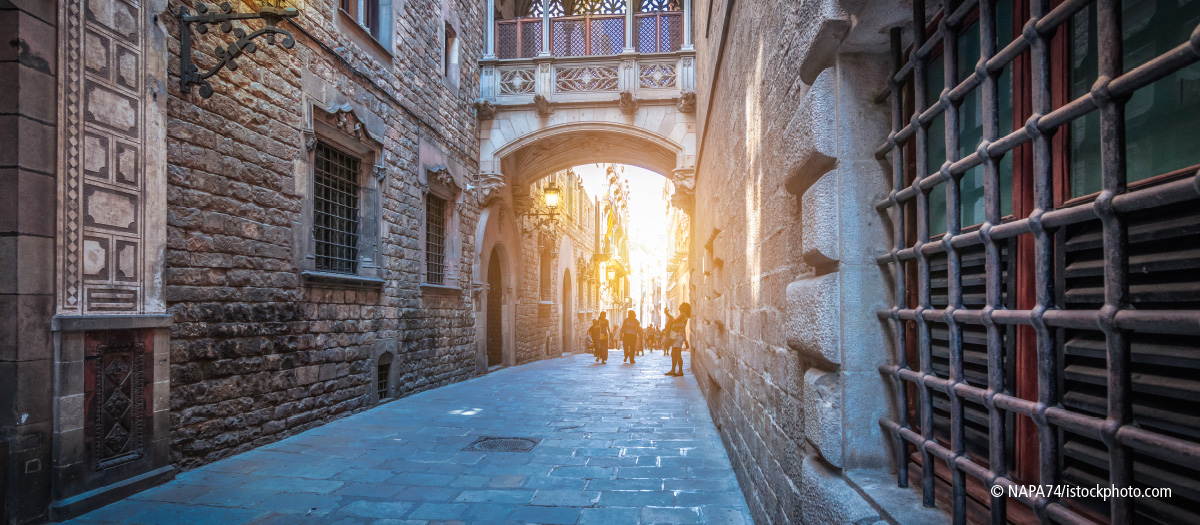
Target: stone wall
(787,341)
(257,351)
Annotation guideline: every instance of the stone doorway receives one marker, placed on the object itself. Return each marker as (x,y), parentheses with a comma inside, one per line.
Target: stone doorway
(495,311)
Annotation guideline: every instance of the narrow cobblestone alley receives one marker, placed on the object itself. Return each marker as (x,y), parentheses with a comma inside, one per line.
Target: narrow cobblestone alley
(619,444)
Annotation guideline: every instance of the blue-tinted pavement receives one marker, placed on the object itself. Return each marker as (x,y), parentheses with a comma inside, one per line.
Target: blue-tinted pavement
(619,444)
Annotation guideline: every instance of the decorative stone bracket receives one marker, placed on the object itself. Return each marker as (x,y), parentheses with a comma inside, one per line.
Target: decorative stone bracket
(485,110)
(490,185)
(542,106)
(687,102)
(627,103)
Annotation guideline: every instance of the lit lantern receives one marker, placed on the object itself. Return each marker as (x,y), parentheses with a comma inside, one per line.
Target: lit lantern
(552,195)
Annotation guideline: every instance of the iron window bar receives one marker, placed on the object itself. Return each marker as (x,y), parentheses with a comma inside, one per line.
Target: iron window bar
(1115,319)
(335,209)
(435,239)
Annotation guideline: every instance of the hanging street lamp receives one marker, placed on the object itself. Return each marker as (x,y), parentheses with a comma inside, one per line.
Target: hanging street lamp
(552,196)
(272,12)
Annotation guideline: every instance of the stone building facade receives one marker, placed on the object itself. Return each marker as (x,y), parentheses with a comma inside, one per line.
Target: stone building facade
(949,244)
(230,263)
(266,342)
(785,286)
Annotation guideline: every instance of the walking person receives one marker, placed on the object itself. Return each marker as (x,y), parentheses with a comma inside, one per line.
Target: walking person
(641,341)
(600,333)
(629,337)
(664,339)
(588,341)
(676,332)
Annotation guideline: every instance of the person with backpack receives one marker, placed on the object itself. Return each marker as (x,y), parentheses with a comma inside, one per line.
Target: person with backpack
(676,334)
(629,337)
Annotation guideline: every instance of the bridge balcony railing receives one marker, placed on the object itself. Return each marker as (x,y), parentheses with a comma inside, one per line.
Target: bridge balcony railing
(647,76)
(590,58)
(589,35)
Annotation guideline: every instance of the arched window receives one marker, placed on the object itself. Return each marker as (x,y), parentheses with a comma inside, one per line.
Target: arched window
(383,374)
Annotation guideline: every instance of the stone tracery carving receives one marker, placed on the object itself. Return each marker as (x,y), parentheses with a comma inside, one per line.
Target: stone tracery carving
(588,78)
(657,76)
(517,82)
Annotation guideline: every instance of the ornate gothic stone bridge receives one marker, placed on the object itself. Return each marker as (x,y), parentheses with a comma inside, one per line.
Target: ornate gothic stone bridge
(596,84)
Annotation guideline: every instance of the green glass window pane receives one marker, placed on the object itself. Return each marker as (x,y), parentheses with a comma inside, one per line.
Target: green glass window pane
(937,210)
(936,157)
(970,118)
(1160,119)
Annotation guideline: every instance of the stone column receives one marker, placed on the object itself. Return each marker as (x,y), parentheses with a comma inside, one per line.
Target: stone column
(490,33)
(687,26)
(545,28)
(28,122)
(629,24)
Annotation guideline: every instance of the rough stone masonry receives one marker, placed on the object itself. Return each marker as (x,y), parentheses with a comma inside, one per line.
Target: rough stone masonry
(257,353)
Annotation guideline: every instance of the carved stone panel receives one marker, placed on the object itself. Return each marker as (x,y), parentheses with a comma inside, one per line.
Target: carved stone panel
(110,114)
(115,382)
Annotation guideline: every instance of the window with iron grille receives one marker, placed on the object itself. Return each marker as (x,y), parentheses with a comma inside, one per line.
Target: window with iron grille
(335,209)
(435,239)
(1046,300)
(383,374)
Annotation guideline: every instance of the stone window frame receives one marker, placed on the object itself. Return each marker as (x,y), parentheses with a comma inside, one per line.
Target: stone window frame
(438,180)
(379,44)
(449,34)
(341,128)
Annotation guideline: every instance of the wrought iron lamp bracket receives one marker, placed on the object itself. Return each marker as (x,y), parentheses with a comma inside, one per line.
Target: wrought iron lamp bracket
(545,221)
(189,72)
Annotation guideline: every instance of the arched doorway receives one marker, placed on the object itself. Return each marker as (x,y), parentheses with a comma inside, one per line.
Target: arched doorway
(568,314)
(495,310)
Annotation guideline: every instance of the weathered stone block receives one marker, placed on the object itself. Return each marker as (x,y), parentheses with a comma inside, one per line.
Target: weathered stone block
(823,413)
(813,317)
(826,498)
(862,438)
(820,220)
(864,292)
(814,131)
(864,234)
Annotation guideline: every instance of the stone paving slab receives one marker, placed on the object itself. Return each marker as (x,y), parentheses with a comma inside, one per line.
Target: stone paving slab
(620,444)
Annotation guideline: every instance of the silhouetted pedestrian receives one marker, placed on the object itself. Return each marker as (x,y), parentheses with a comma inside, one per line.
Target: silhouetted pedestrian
(629,337)
(600,334)
(676,331)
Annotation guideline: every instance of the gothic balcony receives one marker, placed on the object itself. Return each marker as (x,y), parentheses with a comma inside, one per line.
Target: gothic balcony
(591,57)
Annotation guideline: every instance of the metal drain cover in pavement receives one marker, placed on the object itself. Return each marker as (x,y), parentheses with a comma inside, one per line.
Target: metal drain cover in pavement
(503,444)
